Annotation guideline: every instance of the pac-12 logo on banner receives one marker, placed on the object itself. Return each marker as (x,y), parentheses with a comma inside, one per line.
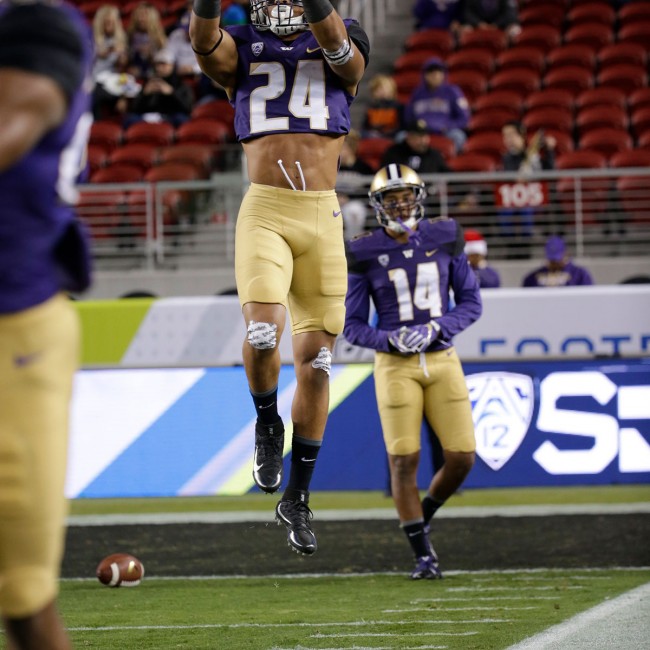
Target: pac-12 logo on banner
(502,408)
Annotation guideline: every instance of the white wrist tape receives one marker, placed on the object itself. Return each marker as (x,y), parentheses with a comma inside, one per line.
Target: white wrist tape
(340,56)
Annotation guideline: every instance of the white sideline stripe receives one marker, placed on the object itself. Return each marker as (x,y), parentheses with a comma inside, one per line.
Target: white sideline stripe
(389,634)
(623,622)
(457,609)
(517,589)
(355,515)
(372,647)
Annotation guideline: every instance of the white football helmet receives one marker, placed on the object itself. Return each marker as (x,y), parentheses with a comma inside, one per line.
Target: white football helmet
(278,16)
(397,215)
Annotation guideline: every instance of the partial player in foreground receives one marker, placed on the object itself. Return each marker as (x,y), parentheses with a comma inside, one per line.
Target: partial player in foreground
(408,267)
(291,77)
(45,62)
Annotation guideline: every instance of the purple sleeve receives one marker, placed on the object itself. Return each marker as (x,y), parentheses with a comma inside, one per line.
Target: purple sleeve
(460,112)
(357,311)
(467,297)
(583,277)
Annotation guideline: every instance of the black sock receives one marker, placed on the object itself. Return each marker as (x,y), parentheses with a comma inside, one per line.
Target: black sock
(303,459)
(429,508)
(266,405)
(414,532)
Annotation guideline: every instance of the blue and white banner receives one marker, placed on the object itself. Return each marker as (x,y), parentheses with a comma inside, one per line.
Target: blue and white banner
(166,432)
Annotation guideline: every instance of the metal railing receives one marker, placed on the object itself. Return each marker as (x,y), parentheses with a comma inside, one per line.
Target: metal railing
(601,213)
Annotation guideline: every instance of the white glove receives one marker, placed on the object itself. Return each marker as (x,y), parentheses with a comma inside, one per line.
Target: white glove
(413,339)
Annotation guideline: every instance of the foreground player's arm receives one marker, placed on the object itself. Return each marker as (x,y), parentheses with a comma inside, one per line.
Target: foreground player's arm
(40,68)
(214,48)
(345,52)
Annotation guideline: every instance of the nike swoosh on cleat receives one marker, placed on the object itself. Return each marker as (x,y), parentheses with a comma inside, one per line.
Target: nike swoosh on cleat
(308,460)
(336,213)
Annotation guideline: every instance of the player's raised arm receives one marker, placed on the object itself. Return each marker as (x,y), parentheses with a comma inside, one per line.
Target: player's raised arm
(215,49)
(346,51)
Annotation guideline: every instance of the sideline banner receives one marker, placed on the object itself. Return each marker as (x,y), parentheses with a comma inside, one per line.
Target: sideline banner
(190,431)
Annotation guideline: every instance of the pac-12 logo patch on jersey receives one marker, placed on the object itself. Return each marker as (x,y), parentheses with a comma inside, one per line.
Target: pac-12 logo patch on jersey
(502,408)
(383,260)
(256,48)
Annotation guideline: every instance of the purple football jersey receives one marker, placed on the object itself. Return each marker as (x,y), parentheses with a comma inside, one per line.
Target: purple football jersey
(409,284)
(43,249)
(286,86)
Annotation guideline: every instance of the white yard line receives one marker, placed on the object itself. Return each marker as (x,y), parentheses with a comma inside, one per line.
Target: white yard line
(623,622)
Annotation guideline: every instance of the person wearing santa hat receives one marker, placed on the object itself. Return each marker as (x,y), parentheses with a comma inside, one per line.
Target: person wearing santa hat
(476,251)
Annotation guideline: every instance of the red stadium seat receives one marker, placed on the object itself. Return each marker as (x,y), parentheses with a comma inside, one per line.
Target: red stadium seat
(627,78)
(600,117)
(622,54)
(564,140)
(521,57)
(489,120)
(581,160)
(634,197)
(118,173)
(202,156)
(471,59)
(571,78)
(595,35)
(574,55)
(542,14)
(640,121)
(507,100)
(472,162)
(521,80)
(216,109)
(546,118)
(438,42)
(489,38)
(639,99)
(204,131)
(101,212)
(601,97)
(472,83)
(634,12)
(606,141)
(598,12)
(489,143)
(173,171)
(635,32)
(106,134)
(406,83)
(140,154)
(411,60)
(543,37)
(372,150)
(97,158)
(632,158)
(157,133)
(550,98)
(443,144)
(644,140)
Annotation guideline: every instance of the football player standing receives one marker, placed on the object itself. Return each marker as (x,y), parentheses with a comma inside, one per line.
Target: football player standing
(408,267)
(46,55)
(291,76)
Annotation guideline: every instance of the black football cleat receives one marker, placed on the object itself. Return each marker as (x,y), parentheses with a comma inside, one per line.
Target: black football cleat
(267,462)
(296,516)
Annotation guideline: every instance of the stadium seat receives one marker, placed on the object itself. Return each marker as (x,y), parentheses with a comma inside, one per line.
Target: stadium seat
(140,154)
(631,158)
(546,118)
(507,100)
(438,42)
(639,99)
(543,37)
(622,53)
(595,35)
(571,55)
(490,38)
(101,212)
(371,150)
(406,83)
(411,60)
(633,12)
(521,57)
(106,134)
(520,80)
(564,140)
(216,109)
(634,197)
(156,133)
(601,97)
(606,141)
(489,120)
(627,78)
(591,12)
(202,156)
(635,32)
(581,160)
(572,78)
(472,83)
(173,171)
(203,131)
(489,143)
(471,59)
(472,162)
(640,121)
(550,98)
(644,140)
(599,117)
(97,158)
(118,173)
(542,14)
(443,144)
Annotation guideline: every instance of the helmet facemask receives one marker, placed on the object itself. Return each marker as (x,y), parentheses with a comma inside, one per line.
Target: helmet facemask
(279,17)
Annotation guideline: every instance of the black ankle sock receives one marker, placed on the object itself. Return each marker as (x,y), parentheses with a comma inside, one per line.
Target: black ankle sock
(266,405)
(429,508)
(415,534)
(303,459)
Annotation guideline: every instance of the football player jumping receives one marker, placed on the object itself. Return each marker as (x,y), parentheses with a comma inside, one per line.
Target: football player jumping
(408,268)
(291,76)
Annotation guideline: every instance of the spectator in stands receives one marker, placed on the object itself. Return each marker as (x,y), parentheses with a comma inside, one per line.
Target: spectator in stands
(146,36)
(558,271)
(438,14)
(441,105)
(476,250)
(110,41)
(384,116)
(181,48)
(164,96)
(479,14)
(416,152)
(526,158)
